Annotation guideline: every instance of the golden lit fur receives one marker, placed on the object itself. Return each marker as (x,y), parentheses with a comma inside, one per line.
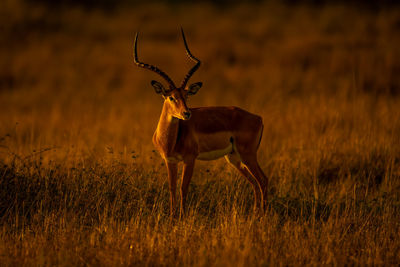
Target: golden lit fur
(210,133)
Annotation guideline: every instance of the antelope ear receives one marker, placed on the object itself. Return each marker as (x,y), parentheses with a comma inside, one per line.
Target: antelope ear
(194,87)
(158,87)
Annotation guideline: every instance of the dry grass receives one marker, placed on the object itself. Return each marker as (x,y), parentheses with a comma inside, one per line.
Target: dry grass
(80,183)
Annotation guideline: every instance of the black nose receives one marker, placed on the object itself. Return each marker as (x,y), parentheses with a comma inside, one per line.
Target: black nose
(186,114)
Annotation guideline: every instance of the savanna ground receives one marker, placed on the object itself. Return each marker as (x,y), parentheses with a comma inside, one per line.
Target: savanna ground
(80,183)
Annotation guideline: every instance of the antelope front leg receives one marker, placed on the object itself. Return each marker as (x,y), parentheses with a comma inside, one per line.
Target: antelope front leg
(187,173)
(172,178)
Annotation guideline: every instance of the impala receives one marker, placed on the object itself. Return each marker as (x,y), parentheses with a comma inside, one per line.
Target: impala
(206,133)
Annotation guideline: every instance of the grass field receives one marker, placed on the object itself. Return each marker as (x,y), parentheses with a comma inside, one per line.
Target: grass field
(81,184)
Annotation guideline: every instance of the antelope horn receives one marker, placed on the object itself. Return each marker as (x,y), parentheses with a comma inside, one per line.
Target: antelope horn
(151,67)
(194,68)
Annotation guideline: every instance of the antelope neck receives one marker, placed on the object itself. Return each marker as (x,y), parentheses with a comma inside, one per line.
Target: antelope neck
(167,131)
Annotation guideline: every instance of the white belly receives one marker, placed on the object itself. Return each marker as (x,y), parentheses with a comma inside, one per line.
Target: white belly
(215,154)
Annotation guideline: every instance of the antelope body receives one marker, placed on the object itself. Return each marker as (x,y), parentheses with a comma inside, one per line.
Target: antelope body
(185,134)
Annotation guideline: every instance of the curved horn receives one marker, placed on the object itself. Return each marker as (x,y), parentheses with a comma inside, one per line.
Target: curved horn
(195,67)
(150,67)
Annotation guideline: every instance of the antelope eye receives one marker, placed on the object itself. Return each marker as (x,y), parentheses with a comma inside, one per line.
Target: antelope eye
(171,98)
